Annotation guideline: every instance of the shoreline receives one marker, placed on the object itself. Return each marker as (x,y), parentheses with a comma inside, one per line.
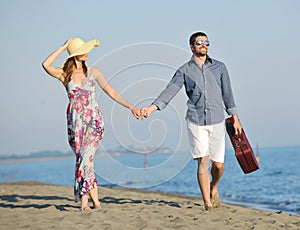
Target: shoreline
(44,206)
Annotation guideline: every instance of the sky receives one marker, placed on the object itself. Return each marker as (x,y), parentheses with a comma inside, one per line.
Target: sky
(141,45)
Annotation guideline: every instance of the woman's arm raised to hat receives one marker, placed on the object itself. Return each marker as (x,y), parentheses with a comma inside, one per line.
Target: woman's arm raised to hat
(47,63)
(110,91)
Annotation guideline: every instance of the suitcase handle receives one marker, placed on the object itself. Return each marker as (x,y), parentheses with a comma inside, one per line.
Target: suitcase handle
(240,142)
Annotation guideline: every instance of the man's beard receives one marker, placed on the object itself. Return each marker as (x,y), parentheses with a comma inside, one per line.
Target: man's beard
(200,54)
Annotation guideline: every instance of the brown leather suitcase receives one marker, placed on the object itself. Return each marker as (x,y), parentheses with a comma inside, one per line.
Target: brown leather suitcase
(242,148)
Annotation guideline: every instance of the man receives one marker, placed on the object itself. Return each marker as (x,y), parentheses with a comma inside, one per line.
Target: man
(208,88)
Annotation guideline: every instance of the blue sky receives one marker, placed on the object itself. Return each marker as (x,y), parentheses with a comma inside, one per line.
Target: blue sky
(257,40)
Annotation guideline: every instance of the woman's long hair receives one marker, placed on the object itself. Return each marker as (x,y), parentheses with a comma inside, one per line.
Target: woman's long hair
(68,69)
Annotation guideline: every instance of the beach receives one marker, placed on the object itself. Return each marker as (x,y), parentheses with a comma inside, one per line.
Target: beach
(35,205)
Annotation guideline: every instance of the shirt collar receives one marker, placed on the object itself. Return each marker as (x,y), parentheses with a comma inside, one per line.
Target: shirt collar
(208,59)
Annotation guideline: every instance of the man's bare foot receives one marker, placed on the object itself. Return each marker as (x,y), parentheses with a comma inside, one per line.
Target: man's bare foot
(208,207)
(215,198)
(85,203)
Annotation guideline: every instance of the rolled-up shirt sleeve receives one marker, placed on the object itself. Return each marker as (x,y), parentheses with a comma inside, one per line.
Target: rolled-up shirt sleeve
(170,91)
(228,98)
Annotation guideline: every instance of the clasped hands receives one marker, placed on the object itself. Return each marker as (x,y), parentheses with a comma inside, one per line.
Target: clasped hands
(144,112)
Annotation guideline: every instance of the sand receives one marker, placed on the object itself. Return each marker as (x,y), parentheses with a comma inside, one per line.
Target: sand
(33,205)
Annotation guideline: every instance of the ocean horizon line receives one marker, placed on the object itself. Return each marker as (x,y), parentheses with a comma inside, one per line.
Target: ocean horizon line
(59,153)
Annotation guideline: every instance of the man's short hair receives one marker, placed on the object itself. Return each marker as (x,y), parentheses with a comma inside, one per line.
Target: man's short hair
(194,35)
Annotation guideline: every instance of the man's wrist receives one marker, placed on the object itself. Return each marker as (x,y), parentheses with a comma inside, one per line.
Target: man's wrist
(153,107)
(235,117)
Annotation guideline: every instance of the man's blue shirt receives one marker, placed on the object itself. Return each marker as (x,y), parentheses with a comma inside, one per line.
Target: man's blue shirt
(208,89)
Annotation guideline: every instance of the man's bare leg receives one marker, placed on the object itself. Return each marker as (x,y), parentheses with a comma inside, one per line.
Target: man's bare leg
(94,197)
(204,181)
(217,171)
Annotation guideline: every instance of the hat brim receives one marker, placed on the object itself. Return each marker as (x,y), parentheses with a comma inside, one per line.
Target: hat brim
(85,48)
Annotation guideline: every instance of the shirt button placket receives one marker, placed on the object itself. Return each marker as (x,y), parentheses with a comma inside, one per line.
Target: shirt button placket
(205,94)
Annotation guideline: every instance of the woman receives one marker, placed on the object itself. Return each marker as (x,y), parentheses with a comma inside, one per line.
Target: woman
(84,119)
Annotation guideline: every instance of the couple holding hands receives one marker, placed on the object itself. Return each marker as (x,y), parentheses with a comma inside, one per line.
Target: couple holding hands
(209,92)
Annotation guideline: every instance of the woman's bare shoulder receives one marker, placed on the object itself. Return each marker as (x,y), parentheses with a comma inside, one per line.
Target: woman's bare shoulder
(95,71)
(93,68)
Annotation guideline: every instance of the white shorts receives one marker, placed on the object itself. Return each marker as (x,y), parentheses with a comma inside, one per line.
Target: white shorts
(208,140)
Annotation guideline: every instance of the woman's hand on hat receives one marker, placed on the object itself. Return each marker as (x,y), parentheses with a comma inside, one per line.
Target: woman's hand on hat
(67,43)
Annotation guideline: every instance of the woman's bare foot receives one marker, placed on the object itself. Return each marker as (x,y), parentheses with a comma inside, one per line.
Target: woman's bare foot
(85,203)
(97,206)
(94,196)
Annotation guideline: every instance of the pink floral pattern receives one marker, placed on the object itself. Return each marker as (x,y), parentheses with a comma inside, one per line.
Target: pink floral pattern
(85,130)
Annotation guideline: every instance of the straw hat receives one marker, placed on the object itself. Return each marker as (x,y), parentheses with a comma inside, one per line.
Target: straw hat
(79,47)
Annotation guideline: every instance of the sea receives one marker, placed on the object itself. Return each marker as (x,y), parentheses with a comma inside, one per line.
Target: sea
(274,187)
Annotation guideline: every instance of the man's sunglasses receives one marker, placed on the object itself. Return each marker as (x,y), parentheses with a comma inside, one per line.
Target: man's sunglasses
(200,42)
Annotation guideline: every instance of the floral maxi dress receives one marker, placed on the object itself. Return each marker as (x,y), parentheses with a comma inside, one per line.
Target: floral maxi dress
(85,130)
